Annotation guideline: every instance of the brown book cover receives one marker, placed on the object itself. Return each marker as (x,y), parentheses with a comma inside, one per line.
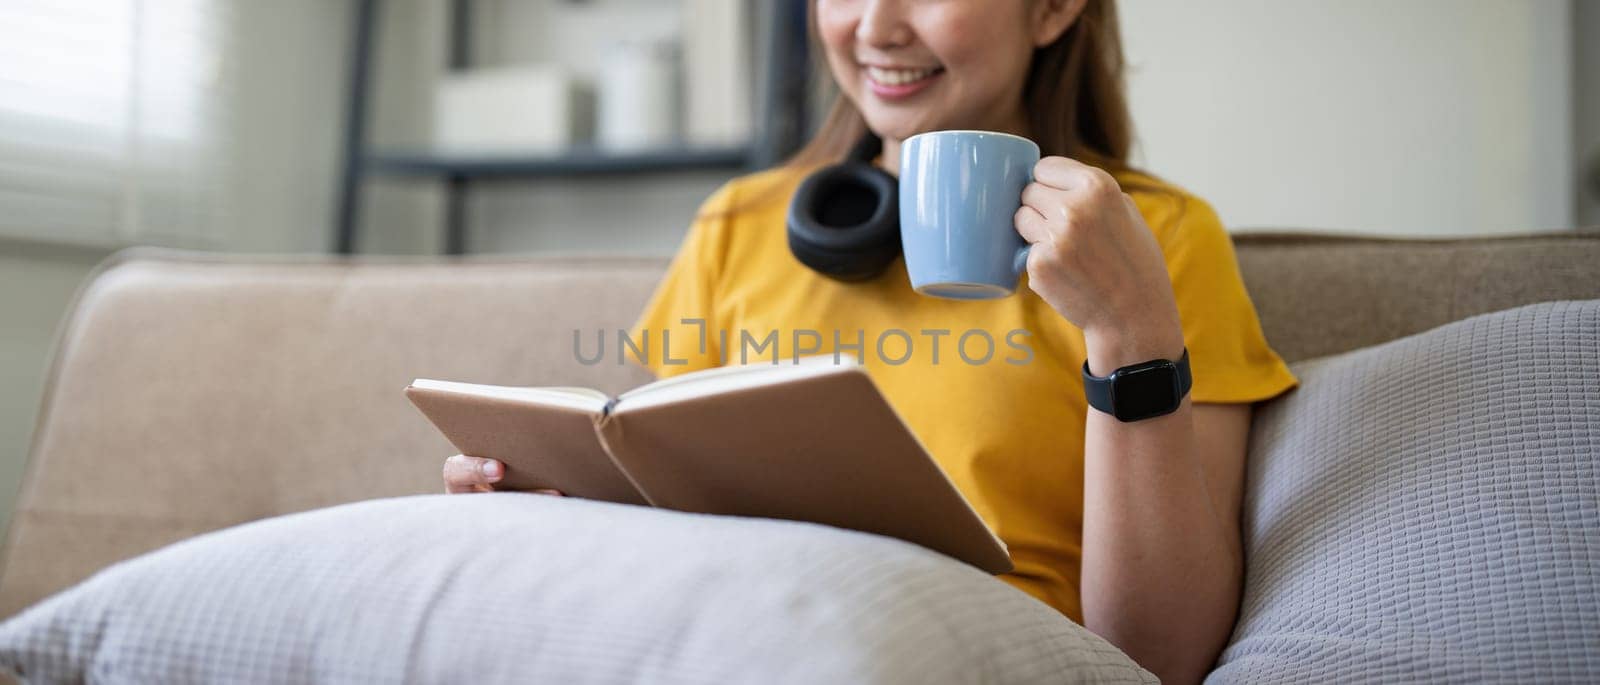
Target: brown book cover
(814,441)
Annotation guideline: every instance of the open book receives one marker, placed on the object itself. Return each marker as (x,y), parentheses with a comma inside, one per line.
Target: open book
(809,441)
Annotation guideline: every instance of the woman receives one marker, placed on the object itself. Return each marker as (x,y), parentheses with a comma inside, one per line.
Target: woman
(1132,527)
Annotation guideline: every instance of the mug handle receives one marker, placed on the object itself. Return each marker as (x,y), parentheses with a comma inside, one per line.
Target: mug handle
(1019,263)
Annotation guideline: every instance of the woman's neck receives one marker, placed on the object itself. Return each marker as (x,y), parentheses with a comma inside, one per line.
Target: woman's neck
(1017,125)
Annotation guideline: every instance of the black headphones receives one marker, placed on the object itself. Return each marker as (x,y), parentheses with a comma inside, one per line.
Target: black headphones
(844,220)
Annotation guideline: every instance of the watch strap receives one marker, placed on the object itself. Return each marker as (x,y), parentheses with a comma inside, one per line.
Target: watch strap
(1185,380)
(1097,389)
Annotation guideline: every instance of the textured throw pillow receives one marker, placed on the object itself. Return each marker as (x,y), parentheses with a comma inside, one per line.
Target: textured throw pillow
(510,587)
(1428,510)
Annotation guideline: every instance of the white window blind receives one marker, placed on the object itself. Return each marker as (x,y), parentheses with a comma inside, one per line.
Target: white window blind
(113,121)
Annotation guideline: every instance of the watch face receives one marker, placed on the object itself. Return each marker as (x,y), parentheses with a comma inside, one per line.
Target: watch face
(1143,392)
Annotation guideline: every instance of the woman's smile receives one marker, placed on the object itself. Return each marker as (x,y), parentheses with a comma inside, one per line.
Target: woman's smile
(897,82)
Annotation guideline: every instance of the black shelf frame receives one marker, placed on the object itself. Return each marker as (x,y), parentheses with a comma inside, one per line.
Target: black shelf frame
(584,161)
(780,113)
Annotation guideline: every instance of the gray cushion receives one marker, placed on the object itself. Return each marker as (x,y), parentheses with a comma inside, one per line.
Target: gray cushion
(510,587)
(1428,509)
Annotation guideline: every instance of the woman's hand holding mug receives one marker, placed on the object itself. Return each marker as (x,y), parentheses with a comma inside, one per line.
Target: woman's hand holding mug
(1094,260)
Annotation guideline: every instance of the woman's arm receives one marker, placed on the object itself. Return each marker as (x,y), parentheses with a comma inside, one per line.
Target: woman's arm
(1161,552)
(1162,562)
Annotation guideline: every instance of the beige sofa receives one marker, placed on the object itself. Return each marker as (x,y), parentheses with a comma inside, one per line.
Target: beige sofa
(193,391)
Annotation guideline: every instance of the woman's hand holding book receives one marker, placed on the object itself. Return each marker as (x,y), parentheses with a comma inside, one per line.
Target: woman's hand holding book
(464,474)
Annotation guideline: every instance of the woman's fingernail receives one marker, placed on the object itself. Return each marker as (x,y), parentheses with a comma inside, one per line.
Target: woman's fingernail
(491,469)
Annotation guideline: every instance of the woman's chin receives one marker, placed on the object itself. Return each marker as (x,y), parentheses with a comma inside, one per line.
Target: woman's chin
(895,128)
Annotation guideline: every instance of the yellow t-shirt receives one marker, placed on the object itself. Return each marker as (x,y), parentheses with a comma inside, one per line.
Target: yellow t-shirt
(1005,419)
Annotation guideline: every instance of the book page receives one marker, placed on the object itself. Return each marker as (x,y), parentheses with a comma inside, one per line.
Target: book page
(730,378)
(584,399)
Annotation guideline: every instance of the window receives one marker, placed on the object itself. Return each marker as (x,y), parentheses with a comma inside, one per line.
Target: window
(113,121)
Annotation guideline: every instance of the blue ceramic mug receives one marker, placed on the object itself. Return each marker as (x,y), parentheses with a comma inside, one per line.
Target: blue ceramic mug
(959,191)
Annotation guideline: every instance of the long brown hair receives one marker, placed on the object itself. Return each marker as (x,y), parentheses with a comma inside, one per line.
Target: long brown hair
(1074,97)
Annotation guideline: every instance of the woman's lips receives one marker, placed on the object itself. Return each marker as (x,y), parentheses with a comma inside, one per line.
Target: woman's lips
(900,83)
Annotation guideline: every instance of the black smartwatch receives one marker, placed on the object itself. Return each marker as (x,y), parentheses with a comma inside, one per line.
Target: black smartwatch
(1142,391)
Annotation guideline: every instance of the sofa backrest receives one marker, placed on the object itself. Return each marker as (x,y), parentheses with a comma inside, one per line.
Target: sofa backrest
(1323,294)
(191,391)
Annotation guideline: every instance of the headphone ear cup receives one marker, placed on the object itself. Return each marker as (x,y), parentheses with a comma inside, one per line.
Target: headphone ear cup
(844,221)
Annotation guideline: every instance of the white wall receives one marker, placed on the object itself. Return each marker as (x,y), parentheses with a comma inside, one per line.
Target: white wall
(36,281)
(1416,116)
(289,118)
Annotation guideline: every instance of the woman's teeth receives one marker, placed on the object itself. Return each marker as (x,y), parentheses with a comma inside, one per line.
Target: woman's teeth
(899,77)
